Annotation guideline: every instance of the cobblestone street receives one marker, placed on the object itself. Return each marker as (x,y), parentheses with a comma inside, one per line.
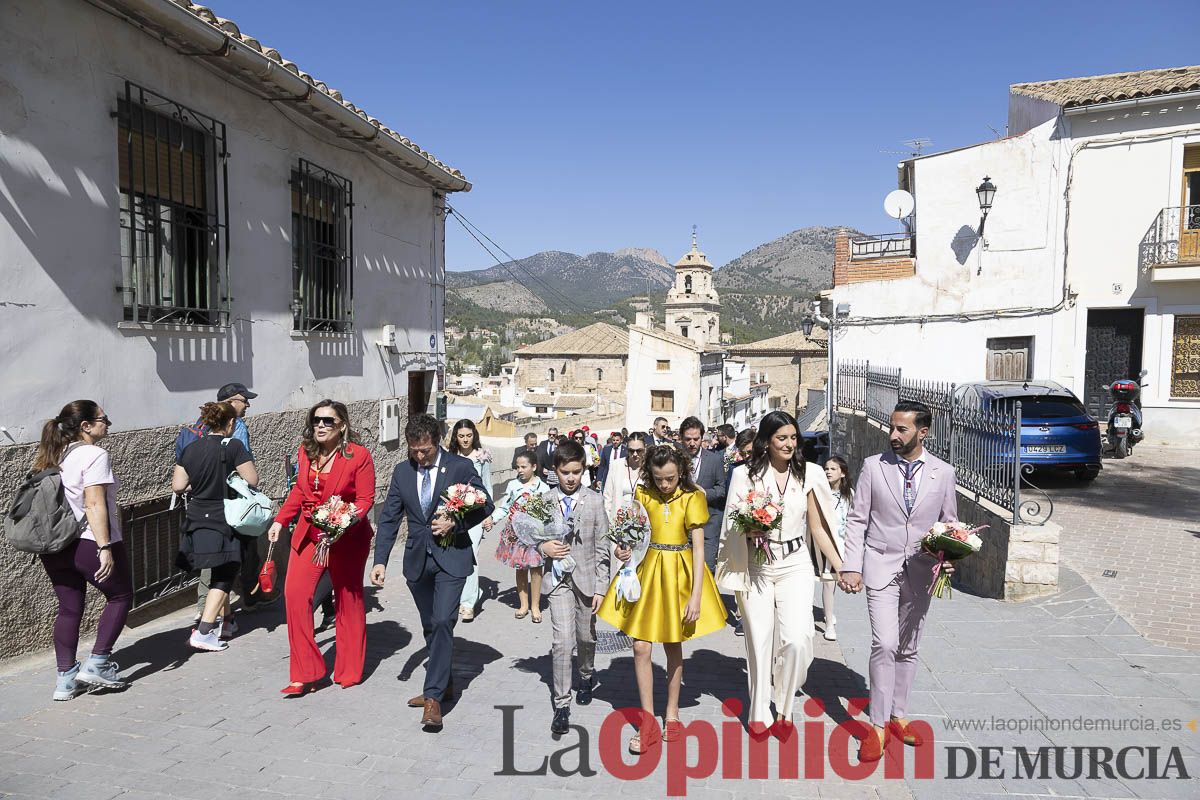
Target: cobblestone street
(213,725)
(1141,519)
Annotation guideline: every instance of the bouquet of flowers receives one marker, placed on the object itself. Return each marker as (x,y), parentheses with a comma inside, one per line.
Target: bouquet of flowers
(630,529)
(949,541)
(534,522)
(333,518)
(458,501)
(756,516)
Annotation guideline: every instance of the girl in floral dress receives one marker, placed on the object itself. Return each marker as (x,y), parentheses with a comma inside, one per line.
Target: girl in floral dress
(464,441)
(525,560)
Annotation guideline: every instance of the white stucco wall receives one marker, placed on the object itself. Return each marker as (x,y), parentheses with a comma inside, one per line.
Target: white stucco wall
(683,379)
(64,64)
(1080,191)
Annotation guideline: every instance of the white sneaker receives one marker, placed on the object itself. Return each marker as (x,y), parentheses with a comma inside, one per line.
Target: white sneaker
(831,633)
(228,628)
(209,642)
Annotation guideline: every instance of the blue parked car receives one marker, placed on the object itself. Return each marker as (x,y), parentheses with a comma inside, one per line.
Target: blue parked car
(1057,433)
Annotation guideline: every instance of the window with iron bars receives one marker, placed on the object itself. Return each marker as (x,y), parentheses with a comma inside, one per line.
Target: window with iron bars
(322,250)
(174,211)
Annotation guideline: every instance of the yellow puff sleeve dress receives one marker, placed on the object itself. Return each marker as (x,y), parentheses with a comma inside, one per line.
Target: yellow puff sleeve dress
(666,575)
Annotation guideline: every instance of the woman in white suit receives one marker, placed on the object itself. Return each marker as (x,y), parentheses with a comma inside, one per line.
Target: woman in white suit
(776,598)
(624,475)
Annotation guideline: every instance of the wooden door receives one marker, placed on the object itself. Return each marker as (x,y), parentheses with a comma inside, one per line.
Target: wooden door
(1189,223)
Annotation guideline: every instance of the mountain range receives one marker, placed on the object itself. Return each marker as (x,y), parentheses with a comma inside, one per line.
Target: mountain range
(753,286)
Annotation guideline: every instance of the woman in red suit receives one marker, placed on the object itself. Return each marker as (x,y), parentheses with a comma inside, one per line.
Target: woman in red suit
(331,463)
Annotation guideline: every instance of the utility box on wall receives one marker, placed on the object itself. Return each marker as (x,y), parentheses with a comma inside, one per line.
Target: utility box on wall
(389,421)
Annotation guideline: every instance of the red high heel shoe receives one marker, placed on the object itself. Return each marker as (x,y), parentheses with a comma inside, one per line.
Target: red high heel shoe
(296,689)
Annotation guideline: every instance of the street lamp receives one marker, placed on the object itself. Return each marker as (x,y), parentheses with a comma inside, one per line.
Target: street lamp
(806,324)
(985,192)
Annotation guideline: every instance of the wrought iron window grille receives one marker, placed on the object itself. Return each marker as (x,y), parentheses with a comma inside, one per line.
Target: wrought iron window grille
(322,250)
(174,206)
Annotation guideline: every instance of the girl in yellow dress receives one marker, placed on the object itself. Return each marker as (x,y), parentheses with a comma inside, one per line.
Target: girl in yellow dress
(679,599)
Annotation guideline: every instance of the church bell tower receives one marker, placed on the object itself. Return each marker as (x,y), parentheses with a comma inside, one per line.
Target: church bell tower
(693,309)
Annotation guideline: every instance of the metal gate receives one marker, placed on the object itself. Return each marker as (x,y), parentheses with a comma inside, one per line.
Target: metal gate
(1114,350)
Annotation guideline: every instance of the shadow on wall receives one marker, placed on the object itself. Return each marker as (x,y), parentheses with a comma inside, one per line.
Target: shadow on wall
(38,198)
(963,243)
(336,356)
(191,362)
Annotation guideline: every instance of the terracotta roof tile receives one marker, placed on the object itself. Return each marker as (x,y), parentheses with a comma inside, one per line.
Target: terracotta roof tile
(599,339)
(1071,92)
(231,28)
(793,342)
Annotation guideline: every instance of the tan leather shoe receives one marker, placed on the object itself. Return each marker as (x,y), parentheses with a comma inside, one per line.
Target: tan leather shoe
(432,718)
(419,700)
(900,727)
(873,745)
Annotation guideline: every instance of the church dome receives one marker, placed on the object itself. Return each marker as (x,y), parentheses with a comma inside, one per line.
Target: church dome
(693,258)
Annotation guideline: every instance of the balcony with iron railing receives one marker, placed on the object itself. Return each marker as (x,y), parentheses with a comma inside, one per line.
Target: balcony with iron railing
(1170,250)
(884,245)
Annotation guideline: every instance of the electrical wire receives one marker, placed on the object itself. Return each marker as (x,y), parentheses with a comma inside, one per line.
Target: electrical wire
(475,233)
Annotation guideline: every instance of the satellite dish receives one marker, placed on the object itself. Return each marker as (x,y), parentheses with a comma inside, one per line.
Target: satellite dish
(899,204)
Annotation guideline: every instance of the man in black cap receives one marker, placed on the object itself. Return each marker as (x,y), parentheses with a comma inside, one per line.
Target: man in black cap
(238,396)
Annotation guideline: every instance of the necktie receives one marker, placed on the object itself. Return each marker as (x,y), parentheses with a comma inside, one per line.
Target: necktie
(426,490)
(568,504)
(910,489)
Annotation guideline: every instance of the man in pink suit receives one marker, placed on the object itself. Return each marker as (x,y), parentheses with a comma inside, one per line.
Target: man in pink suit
(900,495)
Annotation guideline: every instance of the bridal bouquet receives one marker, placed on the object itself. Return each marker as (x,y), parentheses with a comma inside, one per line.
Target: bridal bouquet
(333,518)
(949,541)
(534,522)
(458,501)
(756,516)
(630,529)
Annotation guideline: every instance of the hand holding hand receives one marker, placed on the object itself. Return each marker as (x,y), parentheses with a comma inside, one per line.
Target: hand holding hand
(488,524)
(274,531)
(378,574)
(850,582)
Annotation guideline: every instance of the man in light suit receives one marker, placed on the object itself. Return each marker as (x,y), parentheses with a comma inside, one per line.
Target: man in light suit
(435,573)
(575,599)
(900,495)
(708,472)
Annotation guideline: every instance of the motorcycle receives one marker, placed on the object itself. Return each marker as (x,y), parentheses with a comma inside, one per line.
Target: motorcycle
(1124,417)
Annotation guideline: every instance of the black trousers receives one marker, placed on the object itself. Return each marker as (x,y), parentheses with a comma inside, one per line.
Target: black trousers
(436,594)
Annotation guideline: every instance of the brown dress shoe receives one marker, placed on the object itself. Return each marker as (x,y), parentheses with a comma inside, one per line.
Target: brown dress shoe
(419,700)
(432,718)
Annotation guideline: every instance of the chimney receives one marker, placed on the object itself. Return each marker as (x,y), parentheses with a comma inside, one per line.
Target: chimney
(841,257)
(644,319)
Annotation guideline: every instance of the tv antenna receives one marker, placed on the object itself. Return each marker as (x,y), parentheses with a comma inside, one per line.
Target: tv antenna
(915,147)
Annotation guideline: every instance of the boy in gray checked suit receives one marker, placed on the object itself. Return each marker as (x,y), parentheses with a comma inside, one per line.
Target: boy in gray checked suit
(574,600)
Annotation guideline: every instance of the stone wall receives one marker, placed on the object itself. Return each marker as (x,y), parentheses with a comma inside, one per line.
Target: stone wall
(1017,562)
(143,460)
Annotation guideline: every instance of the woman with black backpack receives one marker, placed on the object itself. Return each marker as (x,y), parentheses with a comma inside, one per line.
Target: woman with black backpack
(97,557)
(208,541)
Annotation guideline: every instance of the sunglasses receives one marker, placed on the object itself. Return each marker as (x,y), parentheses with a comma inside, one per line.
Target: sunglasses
(104,419)
(325,422)
(633,451)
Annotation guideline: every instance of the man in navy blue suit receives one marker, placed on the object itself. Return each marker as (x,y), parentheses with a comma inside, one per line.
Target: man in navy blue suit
(435,574)
(613,450)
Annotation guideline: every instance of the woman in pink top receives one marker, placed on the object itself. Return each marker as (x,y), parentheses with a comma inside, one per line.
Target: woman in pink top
(97,557)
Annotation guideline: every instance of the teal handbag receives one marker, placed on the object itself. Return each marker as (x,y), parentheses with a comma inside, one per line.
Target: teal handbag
(251,512)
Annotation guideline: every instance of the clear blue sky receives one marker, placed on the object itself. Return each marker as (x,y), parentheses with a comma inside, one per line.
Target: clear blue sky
(591,126)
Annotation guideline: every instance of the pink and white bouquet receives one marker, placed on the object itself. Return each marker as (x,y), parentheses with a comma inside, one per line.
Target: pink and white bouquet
(458,501)
(537,520)
(630,529)
(949,541)
(756,516)
(333,518)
